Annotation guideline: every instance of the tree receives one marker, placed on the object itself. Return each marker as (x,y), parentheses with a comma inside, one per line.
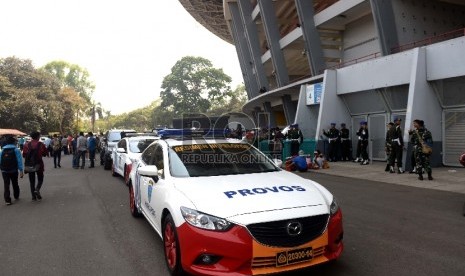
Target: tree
(72,75)
(193,86)
(94,111)
(28,96)
(232,103)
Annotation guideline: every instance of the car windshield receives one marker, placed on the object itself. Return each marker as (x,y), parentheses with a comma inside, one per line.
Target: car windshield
(114,136)
(139,146)
(217,159)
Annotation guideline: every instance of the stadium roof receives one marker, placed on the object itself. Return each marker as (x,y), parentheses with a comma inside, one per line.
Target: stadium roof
(210,14)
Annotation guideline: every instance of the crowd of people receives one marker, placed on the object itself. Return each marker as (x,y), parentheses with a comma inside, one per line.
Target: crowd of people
(84,146)
(340,144)
(81,146)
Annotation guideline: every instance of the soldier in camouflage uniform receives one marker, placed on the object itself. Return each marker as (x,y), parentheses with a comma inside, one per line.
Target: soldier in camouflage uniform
(333,137)
(419,134)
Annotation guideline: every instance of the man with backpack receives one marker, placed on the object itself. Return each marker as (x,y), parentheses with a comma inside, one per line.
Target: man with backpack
(33,153)
(10,163)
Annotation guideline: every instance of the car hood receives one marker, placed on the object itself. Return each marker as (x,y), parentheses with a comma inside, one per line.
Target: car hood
(239,195)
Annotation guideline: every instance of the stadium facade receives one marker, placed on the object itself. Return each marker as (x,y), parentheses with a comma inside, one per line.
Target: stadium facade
(347,61)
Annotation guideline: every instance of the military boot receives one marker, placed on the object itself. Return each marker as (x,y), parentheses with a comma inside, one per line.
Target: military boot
(387,168)
(430,177)
(420,176)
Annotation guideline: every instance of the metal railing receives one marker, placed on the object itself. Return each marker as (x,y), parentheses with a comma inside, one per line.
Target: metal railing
(429,40)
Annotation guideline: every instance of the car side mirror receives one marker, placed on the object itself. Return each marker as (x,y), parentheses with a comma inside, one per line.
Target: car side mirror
(150,171)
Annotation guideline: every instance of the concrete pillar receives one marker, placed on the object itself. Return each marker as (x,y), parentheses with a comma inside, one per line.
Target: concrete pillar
(270,25)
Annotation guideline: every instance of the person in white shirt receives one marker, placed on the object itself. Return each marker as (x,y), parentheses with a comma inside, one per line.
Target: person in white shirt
(82,149)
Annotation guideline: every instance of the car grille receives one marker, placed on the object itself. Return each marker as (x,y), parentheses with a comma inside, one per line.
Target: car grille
(265,262)
(275,233)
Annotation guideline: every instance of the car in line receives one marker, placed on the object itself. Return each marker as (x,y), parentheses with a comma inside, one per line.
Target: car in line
(108,143)
(222,207)
(127,150)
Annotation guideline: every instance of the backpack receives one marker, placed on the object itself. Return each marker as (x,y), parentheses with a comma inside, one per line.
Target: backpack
(56,144)
(9,162)
(31,158)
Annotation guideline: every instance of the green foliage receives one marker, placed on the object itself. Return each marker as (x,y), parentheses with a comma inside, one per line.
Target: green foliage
(194,86)
(28,96)
(231,103)
(58,97)
(72,75)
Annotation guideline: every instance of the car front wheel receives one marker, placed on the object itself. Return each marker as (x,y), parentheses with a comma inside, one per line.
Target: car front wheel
(132,203)
(113,172)
(171,247)
(107,162)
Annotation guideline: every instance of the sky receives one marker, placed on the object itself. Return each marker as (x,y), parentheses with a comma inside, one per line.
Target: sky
(127,46)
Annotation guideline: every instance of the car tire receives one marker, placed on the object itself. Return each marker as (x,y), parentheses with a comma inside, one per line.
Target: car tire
(132,203)
(107,163)
(102,158)
(113,172)
(171,247)
(126,176)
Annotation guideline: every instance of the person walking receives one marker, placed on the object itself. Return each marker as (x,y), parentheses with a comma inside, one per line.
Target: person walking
(333,138)
(362,144)
(11,162)
(420,137)
(36,150)
(81,149)
(21,141)
(56,150)
(388,145)
(75,152)
(70,144)
(397,147)
(346,144)
(363,138)
(64,145)
(92,147)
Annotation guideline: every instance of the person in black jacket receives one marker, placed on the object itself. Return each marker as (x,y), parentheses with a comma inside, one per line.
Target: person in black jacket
(397,143)
(346,144)
(362,145)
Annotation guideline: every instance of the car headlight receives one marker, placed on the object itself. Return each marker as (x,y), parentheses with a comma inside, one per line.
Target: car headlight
(334,207)
(204,221)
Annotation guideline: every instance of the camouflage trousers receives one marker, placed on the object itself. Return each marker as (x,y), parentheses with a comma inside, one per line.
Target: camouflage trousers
(421,160)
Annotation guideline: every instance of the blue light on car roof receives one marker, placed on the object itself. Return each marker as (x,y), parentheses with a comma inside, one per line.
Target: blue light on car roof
(191,133)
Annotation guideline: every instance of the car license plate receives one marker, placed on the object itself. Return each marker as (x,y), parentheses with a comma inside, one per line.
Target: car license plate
(294,256)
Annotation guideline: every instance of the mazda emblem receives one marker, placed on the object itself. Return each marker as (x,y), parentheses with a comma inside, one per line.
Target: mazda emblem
(294,228)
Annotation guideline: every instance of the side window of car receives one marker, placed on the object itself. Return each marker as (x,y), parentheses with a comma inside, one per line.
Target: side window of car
(158,161)
(123,144)
(120,144)
(148,155)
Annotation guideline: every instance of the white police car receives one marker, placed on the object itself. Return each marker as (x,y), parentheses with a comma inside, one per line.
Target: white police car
(127,150)
(223,208)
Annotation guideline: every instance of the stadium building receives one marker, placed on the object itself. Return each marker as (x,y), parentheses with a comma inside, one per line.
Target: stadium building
(347,61)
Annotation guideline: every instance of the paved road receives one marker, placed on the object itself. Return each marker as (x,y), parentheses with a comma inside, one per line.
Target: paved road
(83,227)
